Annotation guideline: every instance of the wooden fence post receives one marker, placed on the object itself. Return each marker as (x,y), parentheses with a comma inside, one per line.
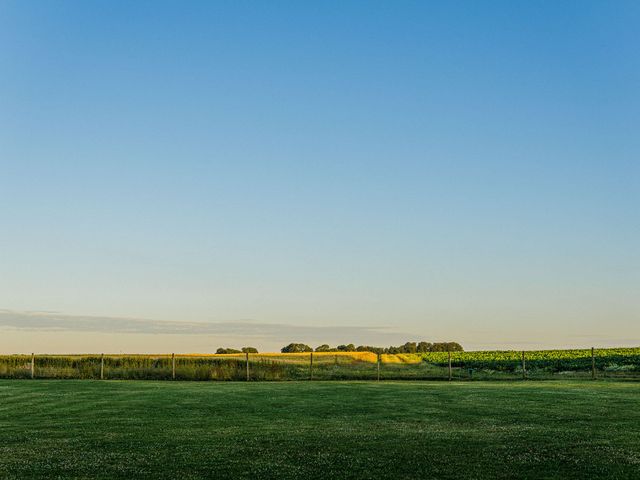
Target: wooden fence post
(378,367)
(450,373)
(593,364)
(102,366)
(524,367)
(173,366)
(33,365)
(311,366)
(247,354)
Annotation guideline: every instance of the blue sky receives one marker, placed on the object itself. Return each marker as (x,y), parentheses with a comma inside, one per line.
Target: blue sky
(449,170)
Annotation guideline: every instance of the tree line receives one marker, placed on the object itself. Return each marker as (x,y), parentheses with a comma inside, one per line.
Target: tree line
(409,347)
(234,350)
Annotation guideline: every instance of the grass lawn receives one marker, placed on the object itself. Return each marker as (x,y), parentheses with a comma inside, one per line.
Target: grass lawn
(116,429)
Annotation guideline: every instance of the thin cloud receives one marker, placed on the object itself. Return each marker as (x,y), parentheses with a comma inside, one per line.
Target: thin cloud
(56,322)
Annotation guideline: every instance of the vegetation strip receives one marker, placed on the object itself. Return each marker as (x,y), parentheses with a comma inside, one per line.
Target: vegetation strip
(617,363)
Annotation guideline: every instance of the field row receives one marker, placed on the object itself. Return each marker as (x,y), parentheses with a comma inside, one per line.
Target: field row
(541,364)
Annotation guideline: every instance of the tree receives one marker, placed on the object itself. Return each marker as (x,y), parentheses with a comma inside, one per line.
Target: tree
(249,350)
(423,347)
(323,348)
(409,347)
(367,348)
(454,347)
(446,347)
(347,348)
(296,348)
(227,350)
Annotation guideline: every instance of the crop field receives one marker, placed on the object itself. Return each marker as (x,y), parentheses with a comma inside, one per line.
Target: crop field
(613,363)
(483,430)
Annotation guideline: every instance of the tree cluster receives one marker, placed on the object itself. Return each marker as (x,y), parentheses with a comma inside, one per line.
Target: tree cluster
(233,350)
(409,347)
(296,348)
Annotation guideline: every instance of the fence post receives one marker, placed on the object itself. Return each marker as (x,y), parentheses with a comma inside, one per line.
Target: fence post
(450,373)
(311,366)
(33,365)
(593,364)
(173,366)
(247,354)
(378,367)
(524,367)
(102,366)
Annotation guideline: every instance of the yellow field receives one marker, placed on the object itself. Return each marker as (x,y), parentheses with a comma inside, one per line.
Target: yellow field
(370,357)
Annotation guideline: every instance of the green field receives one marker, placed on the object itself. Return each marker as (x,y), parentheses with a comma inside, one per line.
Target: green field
(117,429)
(609,363)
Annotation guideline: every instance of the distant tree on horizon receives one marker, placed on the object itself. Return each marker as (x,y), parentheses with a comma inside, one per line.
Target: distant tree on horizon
(368,348)
(222,351)
(296,348)
(446,347)
(346,348)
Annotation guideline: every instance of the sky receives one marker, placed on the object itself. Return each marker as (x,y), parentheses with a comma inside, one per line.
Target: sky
(179,176)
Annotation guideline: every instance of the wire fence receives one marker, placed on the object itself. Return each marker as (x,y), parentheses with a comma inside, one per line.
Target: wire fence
(498,365)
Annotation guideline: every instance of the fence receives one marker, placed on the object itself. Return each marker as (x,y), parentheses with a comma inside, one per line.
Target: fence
(484,365)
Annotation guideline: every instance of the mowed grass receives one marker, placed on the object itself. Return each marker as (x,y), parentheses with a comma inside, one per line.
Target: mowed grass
(117,429)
